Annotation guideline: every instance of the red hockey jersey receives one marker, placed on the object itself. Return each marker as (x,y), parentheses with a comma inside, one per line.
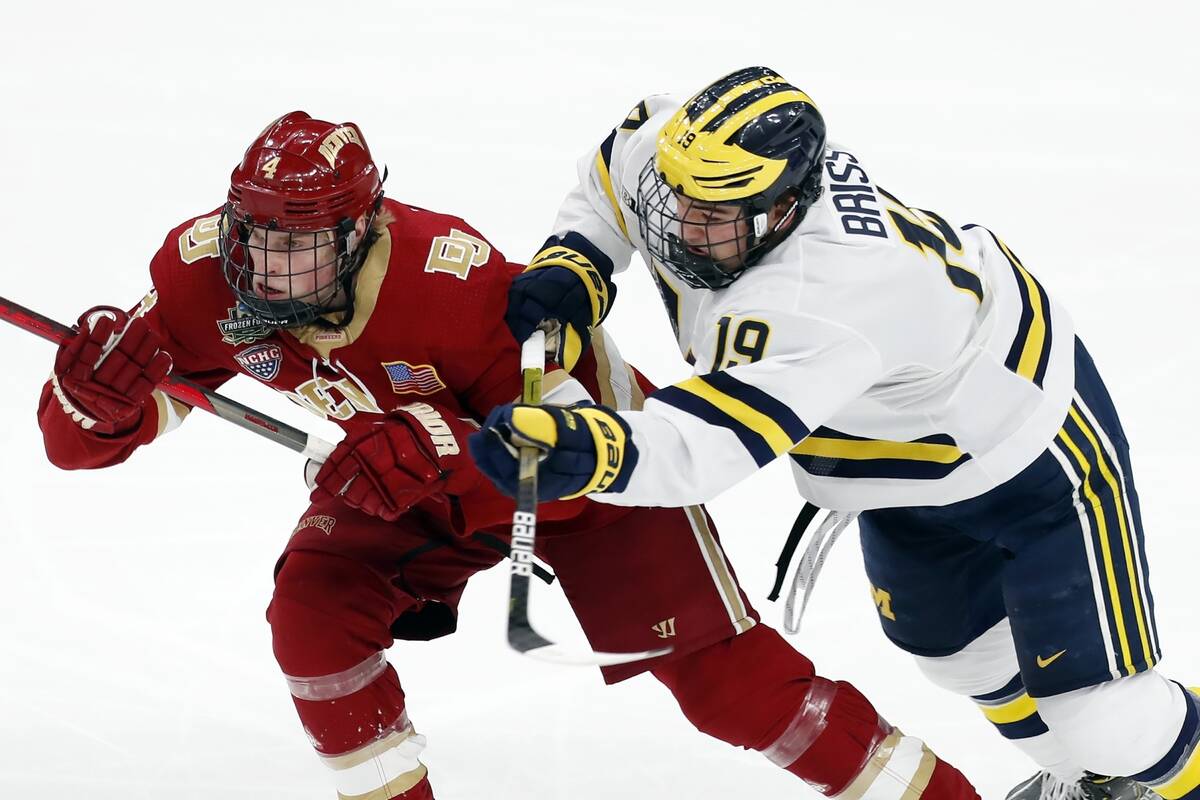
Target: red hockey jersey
(428,325)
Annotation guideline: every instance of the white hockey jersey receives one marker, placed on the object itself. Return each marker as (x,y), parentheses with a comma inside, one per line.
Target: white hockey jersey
(897,359)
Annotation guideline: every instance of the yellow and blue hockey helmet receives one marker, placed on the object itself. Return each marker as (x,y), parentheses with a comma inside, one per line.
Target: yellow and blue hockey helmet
(748,139)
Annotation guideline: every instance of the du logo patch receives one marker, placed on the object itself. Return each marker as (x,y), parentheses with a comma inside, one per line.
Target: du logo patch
(262,361)
(457,253)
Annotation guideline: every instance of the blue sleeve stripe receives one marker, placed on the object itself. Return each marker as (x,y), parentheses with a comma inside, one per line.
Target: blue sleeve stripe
(760,401)
(700,408)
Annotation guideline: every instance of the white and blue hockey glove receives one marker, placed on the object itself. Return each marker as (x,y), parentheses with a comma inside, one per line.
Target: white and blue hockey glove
(569,282)
(585,449)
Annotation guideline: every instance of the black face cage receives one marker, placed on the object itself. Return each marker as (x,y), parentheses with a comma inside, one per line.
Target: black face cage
(661,228)
(269,276)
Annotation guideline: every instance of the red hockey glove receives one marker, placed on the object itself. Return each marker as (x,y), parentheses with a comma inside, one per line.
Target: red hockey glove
(104,373)
(387,466)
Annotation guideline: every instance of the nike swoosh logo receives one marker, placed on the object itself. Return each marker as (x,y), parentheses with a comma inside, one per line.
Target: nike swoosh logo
(1045,662)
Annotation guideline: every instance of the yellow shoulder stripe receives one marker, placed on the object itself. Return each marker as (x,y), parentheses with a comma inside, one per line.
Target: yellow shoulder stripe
(606,183)
(766,427)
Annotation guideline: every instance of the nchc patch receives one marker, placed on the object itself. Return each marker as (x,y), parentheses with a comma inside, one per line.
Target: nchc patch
(415,378)
(262,361)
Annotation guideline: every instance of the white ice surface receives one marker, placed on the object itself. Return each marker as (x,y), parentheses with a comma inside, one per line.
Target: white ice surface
(134,658)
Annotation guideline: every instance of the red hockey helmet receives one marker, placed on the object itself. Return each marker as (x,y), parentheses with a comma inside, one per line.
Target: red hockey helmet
(299,176)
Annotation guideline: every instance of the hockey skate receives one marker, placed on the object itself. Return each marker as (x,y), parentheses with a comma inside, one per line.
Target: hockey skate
(1045,786)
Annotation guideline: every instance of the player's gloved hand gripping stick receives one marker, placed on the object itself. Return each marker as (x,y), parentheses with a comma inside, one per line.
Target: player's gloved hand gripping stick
(521,634)
(185,391)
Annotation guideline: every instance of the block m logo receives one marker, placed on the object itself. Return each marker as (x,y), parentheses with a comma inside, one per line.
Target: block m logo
(883,601)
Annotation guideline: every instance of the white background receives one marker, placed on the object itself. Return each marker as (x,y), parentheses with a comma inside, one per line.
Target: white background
(134,658)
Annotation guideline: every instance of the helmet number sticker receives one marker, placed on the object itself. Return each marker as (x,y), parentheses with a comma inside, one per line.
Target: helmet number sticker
(200,240)
(270,166)
(457,253)
(686,140)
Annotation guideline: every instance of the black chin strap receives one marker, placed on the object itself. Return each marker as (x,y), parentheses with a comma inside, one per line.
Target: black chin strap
(359,257)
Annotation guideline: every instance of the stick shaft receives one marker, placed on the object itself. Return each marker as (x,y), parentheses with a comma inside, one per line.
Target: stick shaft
(521,634)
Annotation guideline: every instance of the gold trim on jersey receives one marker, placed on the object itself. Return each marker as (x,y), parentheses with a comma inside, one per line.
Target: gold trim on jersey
(602,172)
(170,412)
(603,371)
(718,567)
(367,284)
(551,381)
(638,397)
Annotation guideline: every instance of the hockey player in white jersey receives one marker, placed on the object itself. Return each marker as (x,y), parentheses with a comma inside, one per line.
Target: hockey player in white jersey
(913,370)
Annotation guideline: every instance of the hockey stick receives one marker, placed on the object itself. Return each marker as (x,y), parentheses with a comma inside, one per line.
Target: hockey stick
(185,391)
(521,634)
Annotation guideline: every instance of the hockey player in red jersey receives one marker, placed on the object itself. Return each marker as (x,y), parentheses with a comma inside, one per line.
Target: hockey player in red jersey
(389,320)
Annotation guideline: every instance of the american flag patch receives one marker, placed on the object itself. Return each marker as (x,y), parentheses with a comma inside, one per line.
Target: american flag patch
(415,378)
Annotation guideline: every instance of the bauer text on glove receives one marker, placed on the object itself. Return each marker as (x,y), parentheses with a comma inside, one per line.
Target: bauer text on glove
(568,283)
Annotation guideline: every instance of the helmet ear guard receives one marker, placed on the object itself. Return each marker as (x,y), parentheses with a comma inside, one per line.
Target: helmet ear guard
(760,224)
